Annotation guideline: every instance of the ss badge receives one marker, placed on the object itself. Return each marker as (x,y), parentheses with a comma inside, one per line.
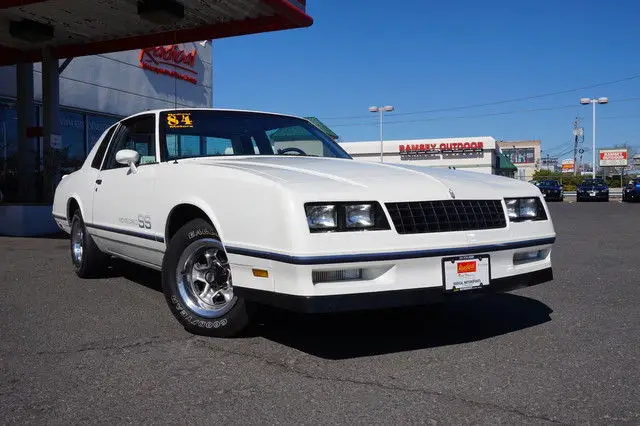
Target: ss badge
(144,221)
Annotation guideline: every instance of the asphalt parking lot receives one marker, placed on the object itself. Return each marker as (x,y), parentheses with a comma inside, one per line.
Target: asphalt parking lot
(109,351)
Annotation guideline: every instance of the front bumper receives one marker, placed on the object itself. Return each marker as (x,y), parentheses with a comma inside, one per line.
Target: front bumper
(591,195)
(387,299)
(553,196)
(386,280)
(632,195)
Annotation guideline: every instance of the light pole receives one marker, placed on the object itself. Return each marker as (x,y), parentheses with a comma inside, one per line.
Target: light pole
(381,110)
(593,102)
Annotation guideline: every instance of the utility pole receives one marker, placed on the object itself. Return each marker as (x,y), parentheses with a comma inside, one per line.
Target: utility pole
(578,134)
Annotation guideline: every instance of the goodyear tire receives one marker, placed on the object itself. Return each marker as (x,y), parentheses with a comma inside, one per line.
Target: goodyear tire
(197,283)
(87,259)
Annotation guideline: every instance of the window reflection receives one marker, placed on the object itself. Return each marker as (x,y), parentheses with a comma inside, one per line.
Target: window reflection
(73,146)
(96,125)
(8,153)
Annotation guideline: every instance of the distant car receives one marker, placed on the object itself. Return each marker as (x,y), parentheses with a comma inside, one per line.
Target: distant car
(631,192)
(592,189)
(551,189)
(534,182)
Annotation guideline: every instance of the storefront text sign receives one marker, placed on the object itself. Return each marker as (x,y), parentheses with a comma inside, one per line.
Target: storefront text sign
(442,148)
(170,60)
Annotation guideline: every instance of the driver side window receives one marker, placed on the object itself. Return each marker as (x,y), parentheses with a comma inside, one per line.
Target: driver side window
(138,134)
(296,140)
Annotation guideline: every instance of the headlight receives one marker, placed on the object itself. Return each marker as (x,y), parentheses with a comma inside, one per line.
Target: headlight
(523,209)
(345,216)
(322,217)
(359,216)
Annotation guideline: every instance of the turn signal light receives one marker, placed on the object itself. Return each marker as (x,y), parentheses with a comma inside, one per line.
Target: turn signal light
(260,273)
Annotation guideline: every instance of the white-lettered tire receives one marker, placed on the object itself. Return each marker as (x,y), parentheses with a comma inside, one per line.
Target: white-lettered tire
(87,259)
(197,283)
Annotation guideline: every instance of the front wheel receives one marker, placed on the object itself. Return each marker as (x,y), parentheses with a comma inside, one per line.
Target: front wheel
(197,283)
(88,261)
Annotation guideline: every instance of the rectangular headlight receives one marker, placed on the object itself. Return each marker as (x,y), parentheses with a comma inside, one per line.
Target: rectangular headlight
(322,217)
(359,216)
(523,209)
(339,216)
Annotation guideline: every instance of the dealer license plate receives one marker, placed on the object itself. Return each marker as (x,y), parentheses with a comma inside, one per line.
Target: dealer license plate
(592,193)
(466,272)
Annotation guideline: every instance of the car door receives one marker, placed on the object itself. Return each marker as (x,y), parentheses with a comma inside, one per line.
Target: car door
(123,200)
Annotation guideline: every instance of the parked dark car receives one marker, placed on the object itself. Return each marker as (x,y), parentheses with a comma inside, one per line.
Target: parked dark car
(551,189)
(592,189)
(631,192)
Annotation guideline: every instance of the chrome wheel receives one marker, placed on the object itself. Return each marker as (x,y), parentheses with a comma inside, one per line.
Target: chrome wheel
(203,276)
(77,241)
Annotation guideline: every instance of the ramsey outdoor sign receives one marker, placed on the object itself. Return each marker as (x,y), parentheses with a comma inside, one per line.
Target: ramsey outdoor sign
(170,60)
(613,157)
(445,147)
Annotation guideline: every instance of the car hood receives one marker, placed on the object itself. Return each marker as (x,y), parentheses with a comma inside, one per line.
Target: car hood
(317,175)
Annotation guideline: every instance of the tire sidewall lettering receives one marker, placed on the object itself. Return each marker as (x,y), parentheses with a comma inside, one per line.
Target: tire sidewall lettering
(195,321)
(202,232)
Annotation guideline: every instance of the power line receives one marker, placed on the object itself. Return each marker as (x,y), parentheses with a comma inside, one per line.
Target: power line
(491,114)
(525,98)
(456,117)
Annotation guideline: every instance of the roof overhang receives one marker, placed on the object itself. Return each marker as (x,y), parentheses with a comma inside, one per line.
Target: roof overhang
(88,27)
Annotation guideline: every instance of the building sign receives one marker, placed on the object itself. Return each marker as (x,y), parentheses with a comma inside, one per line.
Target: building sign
(520,155)
(568,166)
(432,148)
(170,60)
(613,157)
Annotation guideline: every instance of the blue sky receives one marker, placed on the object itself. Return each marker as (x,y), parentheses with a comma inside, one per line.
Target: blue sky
(423,55)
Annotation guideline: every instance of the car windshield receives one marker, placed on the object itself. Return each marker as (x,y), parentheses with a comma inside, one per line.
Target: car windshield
(206,133)
(593,182)
(549,183)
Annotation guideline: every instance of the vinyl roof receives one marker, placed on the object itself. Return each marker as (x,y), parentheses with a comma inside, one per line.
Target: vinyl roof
(87,27)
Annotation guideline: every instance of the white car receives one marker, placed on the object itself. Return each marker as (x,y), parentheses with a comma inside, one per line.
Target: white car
(238,208)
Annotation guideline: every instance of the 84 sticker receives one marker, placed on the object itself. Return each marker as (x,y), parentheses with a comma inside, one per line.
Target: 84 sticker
(179,120)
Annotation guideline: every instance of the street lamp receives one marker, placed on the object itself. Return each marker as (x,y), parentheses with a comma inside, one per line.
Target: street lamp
(381,110)
(594,101)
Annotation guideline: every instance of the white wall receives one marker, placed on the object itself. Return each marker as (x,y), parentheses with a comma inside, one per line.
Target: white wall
(115,83)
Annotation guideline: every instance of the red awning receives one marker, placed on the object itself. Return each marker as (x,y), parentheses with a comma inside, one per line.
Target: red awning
(88,27)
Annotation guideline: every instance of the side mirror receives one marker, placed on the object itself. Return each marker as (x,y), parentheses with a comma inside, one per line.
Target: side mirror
(128,157)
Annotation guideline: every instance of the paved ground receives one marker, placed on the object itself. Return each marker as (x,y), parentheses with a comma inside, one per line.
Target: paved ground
(108,350)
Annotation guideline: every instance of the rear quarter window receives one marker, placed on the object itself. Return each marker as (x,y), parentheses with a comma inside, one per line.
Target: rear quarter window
(104,143)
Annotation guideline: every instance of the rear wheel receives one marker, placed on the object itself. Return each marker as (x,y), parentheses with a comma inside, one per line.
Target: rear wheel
(197,283)
(88,261)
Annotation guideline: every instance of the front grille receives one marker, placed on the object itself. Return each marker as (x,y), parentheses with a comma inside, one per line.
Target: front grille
(446,216)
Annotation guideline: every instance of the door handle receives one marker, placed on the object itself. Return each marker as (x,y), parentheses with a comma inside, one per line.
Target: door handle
(98,181)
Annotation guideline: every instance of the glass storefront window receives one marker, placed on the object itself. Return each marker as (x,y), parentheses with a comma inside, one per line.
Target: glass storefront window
(72,133)
(8,153)
(96,125)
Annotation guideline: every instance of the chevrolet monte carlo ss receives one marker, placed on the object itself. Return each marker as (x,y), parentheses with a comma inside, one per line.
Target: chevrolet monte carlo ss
(240,209)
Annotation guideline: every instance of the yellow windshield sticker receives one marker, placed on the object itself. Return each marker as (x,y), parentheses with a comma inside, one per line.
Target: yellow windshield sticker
(179,120)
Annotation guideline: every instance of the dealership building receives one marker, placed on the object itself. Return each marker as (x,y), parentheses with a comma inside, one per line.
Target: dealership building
(71,68)
(478,154)
(95,92)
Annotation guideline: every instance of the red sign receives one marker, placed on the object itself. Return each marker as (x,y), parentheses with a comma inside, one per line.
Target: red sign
(613,155)
(443,147)
(170,60)
(464,267)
